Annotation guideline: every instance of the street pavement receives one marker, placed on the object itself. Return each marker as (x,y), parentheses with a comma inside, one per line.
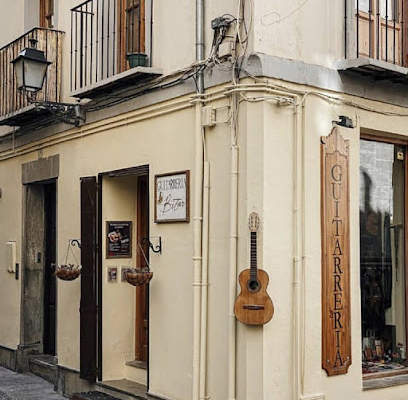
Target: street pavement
(15,386)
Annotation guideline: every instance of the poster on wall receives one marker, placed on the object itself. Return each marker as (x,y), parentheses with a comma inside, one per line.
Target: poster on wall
(171,197)
(335,223)
(118,239)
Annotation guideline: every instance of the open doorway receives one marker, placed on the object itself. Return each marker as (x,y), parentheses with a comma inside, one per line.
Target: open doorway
(115,213)
(125,207)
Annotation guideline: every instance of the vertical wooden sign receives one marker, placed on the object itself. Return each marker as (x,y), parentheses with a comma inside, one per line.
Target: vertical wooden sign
(335,220)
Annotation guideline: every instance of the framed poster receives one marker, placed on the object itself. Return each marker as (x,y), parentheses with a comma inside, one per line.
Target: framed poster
(172,197)
(118,239)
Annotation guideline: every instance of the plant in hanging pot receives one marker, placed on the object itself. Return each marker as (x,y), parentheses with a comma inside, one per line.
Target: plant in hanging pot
(67,272)
(138,276)
(136,59)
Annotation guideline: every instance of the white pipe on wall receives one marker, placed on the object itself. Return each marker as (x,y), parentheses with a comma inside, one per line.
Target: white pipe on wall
(198,202)
(204,282)
(197,256)
(296,256)
(233,251)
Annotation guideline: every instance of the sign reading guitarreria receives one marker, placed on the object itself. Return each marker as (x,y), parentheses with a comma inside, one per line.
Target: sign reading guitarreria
(336,334)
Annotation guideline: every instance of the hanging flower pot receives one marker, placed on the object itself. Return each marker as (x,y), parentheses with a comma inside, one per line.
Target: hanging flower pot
(68,272)
(138,276)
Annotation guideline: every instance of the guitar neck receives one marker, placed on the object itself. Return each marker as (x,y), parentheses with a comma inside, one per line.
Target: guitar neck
(253,269)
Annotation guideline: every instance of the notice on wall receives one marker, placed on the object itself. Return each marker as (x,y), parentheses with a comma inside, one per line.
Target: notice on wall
(335,221)
(118,239)
(172,197)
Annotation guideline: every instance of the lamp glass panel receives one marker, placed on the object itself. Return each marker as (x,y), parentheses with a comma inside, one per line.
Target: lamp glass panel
(18,69)
(34,74)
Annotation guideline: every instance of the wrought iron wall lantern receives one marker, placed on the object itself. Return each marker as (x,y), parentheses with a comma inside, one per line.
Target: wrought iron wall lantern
(30,68)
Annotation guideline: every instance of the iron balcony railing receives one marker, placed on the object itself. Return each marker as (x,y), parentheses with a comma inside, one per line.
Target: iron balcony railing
(105,35)
(379,29)
(49,41)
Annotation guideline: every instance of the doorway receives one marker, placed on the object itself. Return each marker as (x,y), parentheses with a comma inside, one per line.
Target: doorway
(141,315)
(50,284)
(39,282)
(114,314)
(125,203)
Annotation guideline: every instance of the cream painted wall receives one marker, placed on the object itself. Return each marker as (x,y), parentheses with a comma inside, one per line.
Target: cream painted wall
(165,147)
(264,364)
(10,230)
(278,251)
(313,33)
(12,18)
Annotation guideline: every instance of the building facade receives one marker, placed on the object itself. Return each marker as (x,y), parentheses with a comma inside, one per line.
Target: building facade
(160,129)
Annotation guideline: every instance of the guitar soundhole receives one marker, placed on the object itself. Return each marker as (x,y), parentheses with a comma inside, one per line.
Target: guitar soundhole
(253,286)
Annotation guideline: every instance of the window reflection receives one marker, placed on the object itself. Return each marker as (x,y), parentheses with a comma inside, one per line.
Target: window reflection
(382,263)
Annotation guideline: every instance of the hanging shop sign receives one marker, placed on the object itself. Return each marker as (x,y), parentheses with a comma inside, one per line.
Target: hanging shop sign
(335,217)
(171,197)
(118,239)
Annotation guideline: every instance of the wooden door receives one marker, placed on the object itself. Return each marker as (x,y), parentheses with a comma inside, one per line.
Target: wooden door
(141,328)
(88,305)
(46,13)
(131,28)
(49,277)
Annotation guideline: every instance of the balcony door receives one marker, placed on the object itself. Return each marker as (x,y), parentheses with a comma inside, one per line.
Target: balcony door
(131,23)
(47,13)
(379,29)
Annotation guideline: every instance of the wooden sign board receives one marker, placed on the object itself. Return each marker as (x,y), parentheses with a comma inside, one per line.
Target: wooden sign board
(335,221)
(172,197)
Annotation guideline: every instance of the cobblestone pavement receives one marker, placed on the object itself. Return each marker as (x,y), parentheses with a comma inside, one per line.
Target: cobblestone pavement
(15,386)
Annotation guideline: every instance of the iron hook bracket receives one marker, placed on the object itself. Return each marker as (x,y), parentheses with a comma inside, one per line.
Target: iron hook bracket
(76,242)
(154,249)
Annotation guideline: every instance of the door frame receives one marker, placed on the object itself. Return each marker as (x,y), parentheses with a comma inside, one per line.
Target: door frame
(24,342)
(124,172)
(403,143)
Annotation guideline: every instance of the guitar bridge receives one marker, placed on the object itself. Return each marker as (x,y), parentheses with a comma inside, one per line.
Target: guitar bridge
(253,307)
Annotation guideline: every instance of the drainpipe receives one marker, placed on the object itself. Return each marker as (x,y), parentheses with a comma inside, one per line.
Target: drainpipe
(204,282)
(198,203)
(296,259)
(233,251)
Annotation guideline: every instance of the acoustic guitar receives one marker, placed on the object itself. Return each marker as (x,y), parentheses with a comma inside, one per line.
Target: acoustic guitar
(253,306)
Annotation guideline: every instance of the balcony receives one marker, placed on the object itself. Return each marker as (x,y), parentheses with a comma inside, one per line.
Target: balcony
(109,46)
(15,109)
(376,39)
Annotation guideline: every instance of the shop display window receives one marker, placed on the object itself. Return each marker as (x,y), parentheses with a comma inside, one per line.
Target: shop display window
(382,257)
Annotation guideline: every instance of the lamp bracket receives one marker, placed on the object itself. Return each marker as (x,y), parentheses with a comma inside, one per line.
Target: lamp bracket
(68,113)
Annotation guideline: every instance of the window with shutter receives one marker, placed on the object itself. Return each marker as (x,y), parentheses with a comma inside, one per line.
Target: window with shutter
(47,13)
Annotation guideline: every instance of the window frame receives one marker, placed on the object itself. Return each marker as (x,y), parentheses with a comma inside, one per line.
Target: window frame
(371,46)
(403,143)
(47,12)
(122,21)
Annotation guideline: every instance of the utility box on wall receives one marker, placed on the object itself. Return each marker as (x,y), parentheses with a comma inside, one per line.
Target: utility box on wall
(11,256)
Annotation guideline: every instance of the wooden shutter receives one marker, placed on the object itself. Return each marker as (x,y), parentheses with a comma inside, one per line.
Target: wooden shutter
(46,13)
(88,308)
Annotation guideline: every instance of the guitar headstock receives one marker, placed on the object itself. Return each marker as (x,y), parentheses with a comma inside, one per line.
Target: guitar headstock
(253,222)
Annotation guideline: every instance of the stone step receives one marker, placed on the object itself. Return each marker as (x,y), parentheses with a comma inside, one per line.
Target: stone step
(108,393)
(123,389)
(94,395)
(44,366)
